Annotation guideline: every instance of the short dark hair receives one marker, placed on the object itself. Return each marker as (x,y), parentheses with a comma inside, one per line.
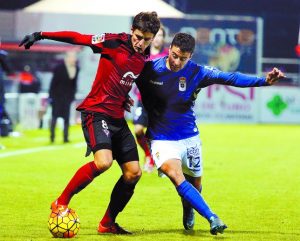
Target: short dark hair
(184,41)
(146,22)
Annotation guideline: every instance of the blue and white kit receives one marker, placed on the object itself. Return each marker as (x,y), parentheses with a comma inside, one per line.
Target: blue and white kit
(169,97)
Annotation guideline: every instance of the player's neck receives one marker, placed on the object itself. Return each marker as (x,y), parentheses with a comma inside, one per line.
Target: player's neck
(168,64)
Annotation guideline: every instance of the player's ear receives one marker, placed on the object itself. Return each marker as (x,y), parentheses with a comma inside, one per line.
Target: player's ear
(131,30)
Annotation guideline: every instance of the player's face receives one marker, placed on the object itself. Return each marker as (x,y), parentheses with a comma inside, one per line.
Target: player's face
(177,59)
(141,40)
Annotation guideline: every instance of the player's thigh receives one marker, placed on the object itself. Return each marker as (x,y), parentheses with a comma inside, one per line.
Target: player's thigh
(192,164)
(172,168)
(124,146)
(162,150)
(103,159)
(96,132)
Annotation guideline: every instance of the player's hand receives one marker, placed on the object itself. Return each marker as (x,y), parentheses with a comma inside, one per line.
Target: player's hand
(129,102)
(274,75)
(30,39)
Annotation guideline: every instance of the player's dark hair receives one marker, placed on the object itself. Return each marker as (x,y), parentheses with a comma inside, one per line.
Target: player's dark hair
(146,22)
(184,41)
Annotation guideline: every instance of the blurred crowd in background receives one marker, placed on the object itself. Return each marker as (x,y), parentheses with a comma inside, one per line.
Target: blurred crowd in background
(250,38)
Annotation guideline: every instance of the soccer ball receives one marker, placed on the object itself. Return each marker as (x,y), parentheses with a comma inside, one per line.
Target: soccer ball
(63,224)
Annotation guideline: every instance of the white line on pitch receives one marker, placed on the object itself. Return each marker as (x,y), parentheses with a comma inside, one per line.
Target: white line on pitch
(38,149)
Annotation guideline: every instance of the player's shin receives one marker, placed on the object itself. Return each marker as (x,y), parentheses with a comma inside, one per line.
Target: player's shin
(188,218)
(120,196)
(79,181)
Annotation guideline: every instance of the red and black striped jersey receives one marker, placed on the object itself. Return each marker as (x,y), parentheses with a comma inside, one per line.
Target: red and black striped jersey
(118,68)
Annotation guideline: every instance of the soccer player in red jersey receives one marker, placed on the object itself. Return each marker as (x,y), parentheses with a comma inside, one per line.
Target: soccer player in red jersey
(102,111)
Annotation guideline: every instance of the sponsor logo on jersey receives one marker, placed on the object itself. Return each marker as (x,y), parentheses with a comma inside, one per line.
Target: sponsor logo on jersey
(98,38)
(128,78)
(182,84)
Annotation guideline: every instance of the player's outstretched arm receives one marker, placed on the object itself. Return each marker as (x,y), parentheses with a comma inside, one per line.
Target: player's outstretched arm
(30,39)
(62,36)
(273,76)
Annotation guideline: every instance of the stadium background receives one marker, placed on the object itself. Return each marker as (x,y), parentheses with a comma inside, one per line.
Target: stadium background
(251,38)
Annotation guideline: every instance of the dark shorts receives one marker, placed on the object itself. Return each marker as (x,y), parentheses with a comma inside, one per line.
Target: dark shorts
(140,115)
(104,132)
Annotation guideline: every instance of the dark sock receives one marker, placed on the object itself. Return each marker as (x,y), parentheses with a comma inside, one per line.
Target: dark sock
(120,196)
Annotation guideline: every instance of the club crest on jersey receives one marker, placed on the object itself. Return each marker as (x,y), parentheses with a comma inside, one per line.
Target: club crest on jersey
(98,38)
(182,84)
(128,78)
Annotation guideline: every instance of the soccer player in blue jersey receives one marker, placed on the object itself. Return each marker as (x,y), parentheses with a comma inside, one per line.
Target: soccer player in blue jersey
(169,87)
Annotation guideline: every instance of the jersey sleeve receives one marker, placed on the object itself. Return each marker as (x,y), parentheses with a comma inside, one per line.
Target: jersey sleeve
(98,43)
(215,76)
(142,83)
(68,37)
(106,42)
(142,79)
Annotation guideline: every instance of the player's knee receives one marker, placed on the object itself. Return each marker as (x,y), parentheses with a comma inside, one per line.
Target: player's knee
(176,176)
(103,164)
(132,176)
(172,173)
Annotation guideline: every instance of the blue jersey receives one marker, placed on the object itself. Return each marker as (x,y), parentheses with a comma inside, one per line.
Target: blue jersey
(169,97)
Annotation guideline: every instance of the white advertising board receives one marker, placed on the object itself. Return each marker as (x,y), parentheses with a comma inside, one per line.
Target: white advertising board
(280,105)
(220,103)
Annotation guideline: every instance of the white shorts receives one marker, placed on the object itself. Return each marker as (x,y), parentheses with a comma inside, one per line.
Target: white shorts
(187,150)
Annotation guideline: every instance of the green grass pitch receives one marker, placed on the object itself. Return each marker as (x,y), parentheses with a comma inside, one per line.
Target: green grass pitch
(251,180)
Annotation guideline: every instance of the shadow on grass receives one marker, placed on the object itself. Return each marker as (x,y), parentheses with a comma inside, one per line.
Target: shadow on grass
(154,233)
(261,232)
(197,233)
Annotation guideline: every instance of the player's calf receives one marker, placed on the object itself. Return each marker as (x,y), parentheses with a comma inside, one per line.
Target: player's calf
(188,218)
